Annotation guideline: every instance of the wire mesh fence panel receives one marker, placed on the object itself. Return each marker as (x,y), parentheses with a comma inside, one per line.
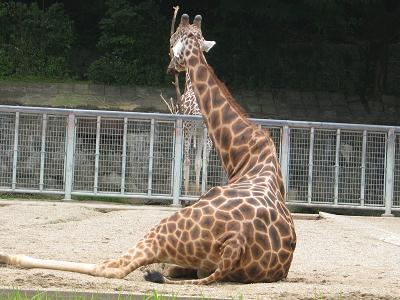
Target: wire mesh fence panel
(137,156)
(275,133)
(298,165)
(323,171)
(375,169)
(110,155)
(85,154)
(350,167)
(396,188)
(163,161)
(7,128)
(29,149)
(55,138)
(193,144)
(130,153)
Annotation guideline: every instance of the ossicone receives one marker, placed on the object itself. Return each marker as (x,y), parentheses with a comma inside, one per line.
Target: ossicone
(197,21)
(184,20)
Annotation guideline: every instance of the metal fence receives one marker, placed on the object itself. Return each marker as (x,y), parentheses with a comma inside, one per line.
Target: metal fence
(87,152)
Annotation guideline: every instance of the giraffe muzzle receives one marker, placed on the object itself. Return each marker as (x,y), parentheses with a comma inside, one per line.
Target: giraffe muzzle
(171,71)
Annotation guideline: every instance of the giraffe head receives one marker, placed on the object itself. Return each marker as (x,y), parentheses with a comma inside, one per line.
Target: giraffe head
(187,41)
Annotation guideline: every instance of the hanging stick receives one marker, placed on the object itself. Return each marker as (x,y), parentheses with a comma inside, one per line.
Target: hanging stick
(174,108)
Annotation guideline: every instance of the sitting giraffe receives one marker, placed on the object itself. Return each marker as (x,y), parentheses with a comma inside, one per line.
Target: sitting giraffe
(240,232)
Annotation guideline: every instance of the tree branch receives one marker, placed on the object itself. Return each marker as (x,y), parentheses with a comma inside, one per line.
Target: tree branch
(176,82)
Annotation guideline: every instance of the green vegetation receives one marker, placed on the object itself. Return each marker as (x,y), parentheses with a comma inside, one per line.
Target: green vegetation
(132,44)
(18,295)
(27,196)
(34,43)
(350,47)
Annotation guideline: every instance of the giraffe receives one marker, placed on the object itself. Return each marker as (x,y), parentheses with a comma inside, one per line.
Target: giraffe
(241,231)
(192,131)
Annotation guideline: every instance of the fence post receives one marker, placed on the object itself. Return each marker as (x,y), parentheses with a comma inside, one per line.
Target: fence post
(43,152)
(177,163)
(285,157)
(389,176)
(310,165)
(97,155)
(69,159)
(15,153)
(336,182)
(363,161)
(123,167)
(151,159)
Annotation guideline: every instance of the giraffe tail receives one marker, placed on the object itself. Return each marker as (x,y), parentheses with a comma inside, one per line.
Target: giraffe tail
(154,276)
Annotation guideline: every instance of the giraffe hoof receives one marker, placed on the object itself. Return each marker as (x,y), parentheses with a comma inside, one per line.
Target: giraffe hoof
(3,258)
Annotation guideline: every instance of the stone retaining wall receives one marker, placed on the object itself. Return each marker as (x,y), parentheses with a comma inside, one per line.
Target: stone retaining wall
(278,104)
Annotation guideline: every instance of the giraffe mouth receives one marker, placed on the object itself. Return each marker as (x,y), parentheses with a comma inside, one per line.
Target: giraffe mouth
(171,71)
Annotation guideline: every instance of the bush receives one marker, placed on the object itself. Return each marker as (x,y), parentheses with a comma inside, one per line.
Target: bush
(34,42)
(133,45)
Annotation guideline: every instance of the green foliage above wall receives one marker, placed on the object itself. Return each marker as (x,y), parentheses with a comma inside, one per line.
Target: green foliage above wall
(34,42)
(133,44)
(345,46)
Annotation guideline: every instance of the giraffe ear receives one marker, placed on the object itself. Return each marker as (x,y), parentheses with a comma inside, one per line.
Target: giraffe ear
(177,48)
(207,45)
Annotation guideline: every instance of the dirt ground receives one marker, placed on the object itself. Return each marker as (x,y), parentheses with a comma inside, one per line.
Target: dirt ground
(337,257)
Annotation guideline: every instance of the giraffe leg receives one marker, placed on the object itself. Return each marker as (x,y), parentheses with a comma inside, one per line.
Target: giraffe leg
(186,157)
(186,170)
(197,163)
(28,262)
(231,252)
(114,268)
(120,267)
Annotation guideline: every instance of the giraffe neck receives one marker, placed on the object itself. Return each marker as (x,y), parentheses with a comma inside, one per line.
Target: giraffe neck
(240,144)
(188,104)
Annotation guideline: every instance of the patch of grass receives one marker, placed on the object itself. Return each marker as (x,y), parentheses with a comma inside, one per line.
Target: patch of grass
(107,199)
(43,295)
(28,196)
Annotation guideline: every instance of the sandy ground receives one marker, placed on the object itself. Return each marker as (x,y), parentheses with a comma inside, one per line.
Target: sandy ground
(339,257)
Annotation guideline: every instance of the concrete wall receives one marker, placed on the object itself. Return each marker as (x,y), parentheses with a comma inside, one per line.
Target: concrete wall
(278,104)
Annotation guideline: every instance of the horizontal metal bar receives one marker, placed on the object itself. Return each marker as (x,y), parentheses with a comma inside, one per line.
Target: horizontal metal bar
(166,197)
(172,117)
(119,195)
(340,206)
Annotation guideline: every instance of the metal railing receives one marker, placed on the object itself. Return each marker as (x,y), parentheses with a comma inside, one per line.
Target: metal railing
(123,154)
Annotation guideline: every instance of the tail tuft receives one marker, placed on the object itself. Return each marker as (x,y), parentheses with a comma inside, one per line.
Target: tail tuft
(154,276)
